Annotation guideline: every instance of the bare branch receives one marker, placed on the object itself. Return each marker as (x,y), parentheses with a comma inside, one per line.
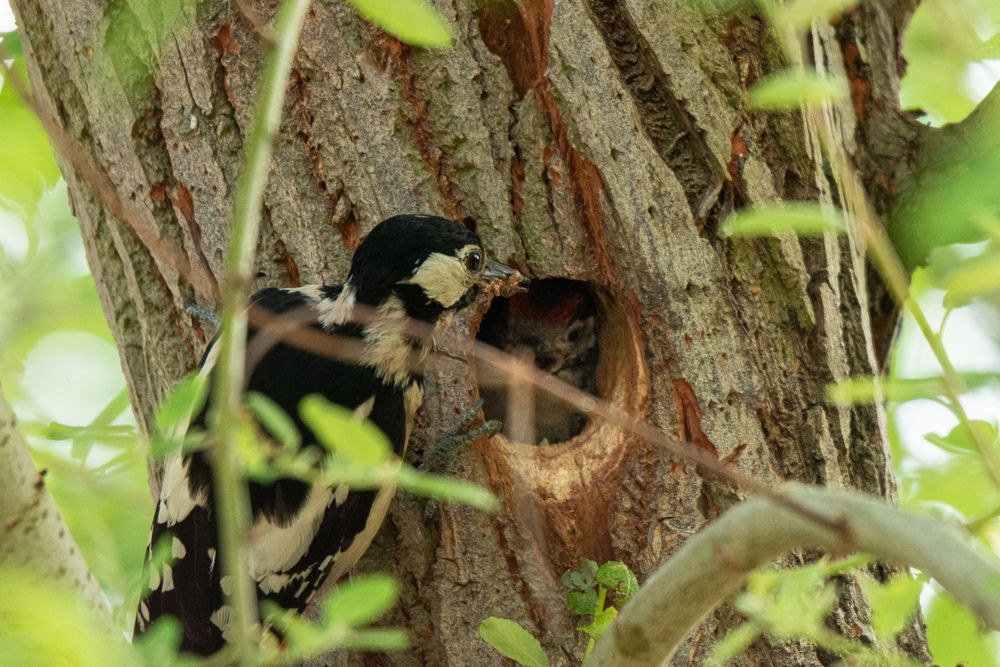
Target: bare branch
(714,563)
(33,536)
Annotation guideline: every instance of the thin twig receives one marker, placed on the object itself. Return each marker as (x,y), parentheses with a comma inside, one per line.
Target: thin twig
(231,494)
(293,327)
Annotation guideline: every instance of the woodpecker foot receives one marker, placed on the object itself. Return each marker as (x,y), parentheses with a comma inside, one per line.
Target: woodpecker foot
(440,458)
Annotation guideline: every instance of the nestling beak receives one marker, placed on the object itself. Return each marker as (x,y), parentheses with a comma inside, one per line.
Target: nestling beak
(496,271)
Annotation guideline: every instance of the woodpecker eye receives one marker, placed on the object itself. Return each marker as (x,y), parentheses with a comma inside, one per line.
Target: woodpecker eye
(473,261)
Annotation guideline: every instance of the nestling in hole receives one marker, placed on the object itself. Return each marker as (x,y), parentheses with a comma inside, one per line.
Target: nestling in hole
(554,326)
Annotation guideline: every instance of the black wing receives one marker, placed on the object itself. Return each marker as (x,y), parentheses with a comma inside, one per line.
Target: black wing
(285,374)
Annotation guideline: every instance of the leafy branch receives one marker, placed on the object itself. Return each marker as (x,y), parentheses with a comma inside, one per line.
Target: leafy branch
(713,564)
(227,472)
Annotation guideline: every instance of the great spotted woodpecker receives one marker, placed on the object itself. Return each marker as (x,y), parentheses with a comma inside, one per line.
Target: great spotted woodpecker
(410,267)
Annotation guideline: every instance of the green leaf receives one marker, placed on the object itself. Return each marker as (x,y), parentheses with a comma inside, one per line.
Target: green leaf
(790,90)
(184,402)
(582,603)
(893,604)
(600,623)
(377,639)
(733,644)
(962,441)
(803,12)
(27,166)
(412,21)
(274,420)
(362,600)
(582,579)
(341,432)
(801,219)
(160,643)
(447,489)
(10,42)
(954,637)
(513,641)
(616,576)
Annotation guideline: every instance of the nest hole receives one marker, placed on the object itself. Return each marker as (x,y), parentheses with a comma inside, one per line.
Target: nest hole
(555,325)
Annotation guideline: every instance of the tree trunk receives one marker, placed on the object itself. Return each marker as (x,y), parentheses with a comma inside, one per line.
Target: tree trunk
(597,140)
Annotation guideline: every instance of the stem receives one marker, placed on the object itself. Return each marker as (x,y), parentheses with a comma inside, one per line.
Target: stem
(231,496)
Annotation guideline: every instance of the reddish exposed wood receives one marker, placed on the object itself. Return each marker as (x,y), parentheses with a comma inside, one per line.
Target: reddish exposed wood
(689,417)
(519,34)
(183,202)
(860,87)
(224,42)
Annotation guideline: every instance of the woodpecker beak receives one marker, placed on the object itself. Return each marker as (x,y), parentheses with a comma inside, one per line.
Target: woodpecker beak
(496,271)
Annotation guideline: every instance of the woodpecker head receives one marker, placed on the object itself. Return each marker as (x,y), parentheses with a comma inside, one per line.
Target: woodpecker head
(430,263)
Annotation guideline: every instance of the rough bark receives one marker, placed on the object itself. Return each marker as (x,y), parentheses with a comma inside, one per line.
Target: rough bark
(34,539)
(599,140)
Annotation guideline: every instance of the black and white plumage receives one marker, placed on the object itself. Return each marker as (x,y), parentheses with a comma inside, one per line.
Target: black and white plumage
(419,267)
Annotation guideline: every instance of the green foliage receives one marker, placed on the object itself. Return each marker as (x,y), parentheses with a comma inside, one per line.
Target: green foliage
(943,38)
(788,218)
(790,604)
(33,611)
(354,440)
(801,13)
(954,635)
(513,641)
(349,608)
(790,90)
(893,604)
(27,168)
(587,596)
(412,21)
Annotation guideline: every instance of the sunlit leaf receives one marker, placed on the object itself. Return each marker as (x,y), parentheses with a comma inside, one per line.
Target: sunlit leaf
(160,642)
(802,219)
(900,390)
(790,90)
(412,21)
(42,624)
(893,603)
(961,482)
(275,420)
(954,636)
(27,167)
(377,639)
(10,44)
(448,489)
(974,277)
(960,440)
(513,641)
(733,644)
(339,430)
(362,600)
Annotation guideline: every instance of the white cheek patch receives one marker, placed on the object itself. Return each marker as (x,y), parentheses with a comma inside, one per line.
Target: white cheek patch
(443,278)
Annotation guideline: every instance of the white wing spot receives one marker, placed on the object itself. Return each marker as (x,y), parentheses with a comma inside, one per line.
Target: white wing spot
(177,549)
(222,618)
(226,584)
(211,560)
(168,578)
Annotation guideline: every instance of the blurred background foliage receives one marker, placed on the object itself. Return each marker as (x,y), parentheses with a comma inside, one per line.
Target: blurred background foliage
(60,370)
